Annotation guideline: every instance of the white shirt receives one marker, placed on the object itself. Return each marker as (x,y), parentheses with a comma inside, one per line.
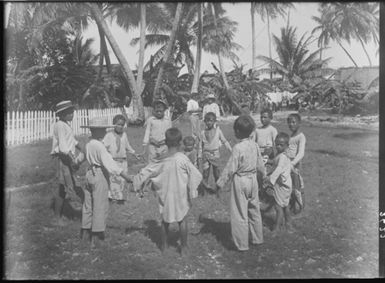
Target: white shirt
(63,138)
(192,105)
(97,154)
(213,107)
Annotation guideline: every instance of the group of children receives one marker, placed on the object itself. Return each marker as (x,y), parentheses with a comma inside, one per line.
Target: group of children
(264,166)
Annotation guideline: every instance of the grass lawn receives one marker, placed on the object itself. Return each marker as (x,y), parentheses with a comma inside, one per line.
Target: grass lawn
(336,237)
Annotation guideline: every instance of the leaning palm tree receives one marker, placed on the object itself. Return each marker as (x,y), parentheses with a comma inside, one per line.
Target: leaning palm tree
(195,84)
(169,48)
(270,10)
(346,21)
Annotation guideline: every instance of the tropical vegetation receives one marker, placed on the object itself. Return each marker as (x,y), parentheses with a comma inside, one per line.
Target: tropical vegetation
(48,59)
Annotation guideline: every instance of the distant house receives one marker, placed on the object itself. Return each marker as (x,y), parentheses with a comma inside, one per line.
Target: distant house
(366,76)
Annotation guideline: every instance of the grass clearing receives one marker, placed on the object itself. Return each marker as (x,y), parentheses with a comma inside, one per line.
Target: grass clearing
(336,237)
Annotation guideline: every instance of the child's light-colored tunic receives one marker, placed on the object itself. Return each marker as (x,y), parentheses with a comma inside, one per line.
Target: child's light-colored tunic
(175,180)
(64,143)
(192,105)
(209,144)
(118,146)
(241,170)
(193,156)
(296,152)
(155,131)
(281,179)
(265,137)
(95,205)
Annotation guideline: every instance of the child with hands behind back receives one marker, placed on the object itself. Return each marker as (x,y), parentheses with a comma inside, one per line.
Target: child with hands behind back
(278,184)
(175,180)
(241,171)
(208,150)
(117,144)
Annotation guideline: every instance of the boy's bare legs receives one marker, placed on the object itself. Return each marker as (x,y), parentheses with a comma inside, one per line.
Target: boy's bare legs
(164,236)
(183,231)
(96,237)
(289,226)
(58,205)
(279,219)
(205,181)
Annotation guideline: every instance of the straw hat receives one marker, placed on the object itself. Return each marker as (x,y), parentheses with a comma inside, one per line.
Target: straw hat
(98,122)
(210,96)
(63,105)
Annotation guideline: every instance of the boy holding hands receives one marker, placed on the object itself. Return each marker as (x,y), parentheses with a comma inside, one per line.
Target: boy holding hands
(241,171)
(175,180)
(102,165)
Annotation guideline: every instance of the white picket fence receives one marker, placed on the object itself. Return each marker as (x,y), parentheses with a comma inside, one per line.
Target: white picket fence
(32,126)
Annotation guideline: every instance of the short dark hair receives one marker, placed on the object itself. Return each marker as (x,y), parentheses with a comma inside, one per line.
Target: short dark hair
(157,102)
(212,114)
(244,125)
(284,136)
(188,140)
(173,137)
(295,116)
(117,118)
(268,111)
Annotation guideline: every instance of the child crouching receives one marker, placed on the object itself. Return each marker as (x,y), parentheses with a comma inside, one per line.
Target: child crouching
(175,180)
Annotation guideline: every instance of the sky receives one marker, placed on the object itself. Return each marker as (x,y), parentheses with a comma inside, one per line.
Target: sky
(300,17)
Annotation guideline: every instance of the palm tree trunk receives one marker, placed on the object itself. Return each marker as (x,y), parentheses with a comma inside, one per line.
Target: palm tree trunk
(142,44)
(106,55)
(101,58)
(366,52)
(225,82)
(347,53)
(195,85)
(169,48)
(253,46)
(269,37)
(137,100)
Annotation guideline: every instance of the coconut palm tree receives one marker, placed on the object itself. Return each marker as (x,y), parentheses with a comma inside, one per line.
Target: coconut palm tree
(295,63)
(346,21)
(169,48)
(269,10)
(197,69)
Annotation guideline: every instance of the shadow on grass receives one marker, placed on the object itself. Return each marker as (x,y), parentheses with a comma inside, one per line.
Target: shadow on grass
(221,231)
(332,153)
(355,135)
(153,231)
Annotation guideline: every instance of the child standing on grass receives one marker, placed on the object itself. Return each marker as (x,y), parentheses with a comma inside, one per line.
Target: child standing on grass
(296,152)
(117,145)
(241,171)
(208,150)
(278,184)
(175,180)
(154,137)
(102,165)
(64,146)
(189,150)
(194,111)
(266,134)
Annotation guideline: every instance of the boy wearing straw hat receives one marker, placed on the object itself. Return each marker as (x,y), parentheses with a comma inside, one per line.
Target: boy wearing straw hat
(156,126)
(95,205)
(64,147)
